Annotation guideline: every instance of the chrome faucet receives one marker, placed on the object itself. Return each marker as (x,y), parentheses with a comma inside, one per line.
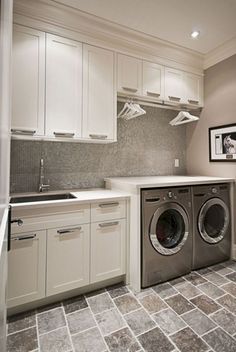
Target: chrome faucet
(42,187)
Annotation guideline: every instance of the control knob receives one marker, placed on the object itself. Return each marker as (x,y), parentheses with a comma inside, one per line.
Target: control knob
(214,190)
(170,194)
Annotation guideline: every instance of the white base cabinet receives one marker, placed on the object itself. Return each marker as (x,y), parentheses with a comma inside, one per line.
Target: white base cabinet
(107,250)
(26,268)
(67,258)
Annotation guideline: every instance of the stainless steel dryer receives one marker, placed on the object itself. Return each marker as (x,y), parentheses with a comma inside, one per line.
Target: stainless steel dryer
(166,234)
(212,225)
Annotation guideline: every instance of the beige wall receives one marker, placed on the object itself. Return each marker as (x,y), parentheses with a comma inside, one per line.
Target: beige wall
(220,109)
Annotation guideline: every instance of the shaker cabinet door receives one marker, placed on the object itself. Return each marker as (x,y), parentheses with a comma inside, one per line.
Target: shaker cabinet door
(153,80)
(129,75)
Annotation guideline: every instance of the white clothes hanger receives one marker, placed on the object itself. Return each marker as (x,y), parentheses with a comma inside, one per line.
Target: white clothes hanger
(183,117)
(131,110)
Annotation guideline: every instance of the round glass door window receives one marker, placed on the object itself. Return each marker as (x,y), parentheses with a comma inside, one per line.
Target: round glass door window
(213,220)
(169,229)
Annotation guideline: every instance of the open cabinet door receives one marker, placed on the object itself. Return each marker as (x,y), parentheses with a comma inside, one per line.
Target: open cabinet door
(5,112)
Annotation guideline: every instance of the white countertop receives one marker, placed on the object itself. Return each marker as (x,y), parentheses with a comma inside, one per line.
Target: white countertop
(82,196)
(165,181)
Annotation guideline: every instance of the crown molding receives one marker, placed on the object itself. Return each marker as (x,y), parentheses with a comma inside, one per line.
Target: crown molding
(54,17)
(221,53)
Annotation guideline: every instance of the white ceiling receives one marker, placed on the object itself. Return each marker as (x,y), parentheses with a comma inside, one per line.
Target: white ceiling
(171,20)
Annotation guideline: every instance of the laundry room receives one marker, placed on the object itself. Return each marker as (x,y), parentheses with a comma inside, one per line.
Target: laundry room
(117,176)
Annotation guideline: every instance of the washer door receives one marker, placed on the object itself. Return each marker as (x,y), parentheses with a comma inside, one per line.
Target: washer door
(169,229)
(213,220)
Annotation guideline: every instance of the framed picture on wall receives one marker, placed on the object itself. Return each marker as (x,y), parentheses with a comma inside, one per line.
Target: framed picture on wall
(222,143)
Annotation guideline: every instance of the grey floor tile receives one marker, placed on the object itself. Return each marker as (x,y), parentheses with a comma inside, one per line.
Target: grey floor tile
(186,340)
(155,341)
(177,282)
(55,341)
(80,320)
(152,303)
(169,321)
(188,290)
(221,269)
(126,303)
(21,321)
(48,307)
(220,341)
(230,264)
(51,320)
(230,288)
(195,278)
(226,320)
(109,321)
(216,279)
(179,304)
(198,321)
(95,293)
(144,292)
(139,321)
(211,290)
(100,303)
(232,276)
(117,290)
(229,302)
(75,303)
(205,304)
(23,341)
(89,341)
(164,290)
(204,271)
(122,341)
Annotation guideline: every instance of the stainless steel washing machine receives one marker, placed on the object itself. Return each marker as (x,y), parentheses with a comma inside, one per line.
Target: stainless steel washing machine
(212,225)
(166,234)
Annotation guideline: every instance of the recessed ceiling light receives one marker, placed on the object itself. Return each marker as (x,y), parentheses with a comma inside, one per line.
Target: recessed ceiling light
(195,34)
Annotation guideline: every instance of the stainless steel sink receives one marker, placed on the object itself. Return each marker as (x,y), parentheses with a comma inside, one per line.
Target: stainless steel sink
(41,198)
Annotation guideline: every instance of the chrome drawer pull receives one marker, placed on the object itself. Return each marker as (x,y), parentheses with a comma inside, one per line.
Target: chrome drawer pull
(153,93)
(62,232)
(98,136)
(108,205)
(174,98)
(130,89)
(23,238)
(63,134)
(193,101)
(24,132)
(108,224)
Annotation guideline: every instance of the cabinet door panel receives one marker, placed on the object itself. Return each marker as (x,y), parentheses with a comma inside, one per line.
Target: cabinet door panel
(129,75)
(63,87)
(67,258)
(28,81)
(153,76)
(107,250)
(174,91)
(99,96)
(193,89)
(26,268)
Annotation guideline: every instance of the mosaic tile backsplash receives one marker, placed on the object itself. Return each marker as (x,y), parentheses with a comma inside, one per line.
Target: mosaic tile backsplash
(146,146)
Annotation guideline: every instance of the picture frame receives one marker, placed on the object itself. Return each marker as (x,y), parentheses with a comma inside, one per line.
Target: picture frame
(222,143)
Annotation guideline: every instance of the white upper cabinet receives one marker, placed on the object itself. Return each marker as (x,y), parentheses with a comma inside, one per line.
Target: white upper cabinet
(28,72)
(153,80)
(63,87)
(193,85)
(129,75)
(99,94)
(174,85)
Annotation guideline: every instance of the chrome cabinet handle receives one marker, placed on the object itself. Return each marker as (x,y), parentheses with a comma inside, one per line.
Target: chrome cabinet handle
(108,205)
(98,136)
(171,97)
(18,221)
(63,134)
(71,230)
(130,89)
(24,132)
(23,238)
(108,224)
(191,101)
(153,93)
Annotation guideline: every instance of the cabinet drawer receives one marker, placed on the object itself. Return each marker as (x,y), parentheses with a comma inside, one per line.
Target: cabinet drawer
(108,210)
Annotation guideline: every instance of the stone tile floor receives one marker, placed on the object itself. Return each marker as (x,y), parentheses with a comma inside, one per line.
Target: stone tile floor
(195,313)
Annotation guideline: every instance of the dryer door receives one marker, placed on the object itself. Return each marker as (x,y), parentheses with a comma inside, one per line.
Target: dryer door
(213,220)
(169,229)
